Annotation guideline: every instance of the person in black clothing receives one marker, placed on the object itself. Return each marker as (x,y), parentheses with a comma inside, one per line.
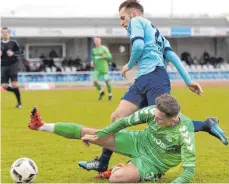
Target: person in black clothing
(185,56)
(10,64)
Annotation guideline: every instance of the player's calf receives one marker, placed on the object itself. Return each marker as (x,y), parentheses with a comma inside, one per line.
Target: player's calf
(99,88)
(109,89)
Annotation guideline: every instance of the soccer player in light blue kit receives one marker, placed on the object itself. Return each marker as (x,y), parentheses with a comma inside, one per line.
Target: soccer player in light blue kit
(149,51)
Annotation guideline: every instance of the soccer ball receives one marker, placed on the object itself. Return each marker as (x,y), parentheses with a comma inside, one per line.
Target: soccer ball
(23,170)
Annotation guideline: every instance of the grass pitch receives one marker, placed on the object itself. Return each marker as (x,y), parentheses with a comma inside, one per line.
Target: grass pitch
(57,157)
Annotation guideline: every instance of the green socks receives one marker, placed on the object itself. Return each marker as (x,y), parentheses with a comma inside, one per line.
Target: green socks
(68,130)
(108,87)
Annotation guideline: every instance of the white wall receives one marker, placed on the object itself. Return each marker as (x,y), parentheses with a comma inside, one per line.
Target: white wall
(77,47)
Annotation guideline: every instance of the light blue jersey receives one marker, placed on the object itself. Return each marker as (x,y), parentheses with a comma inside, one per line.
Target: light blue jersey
(153,44)
(151,49)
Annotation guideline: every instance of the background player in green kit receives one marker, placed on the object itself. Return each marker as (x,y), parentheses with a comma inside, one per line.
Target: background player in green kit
(101,56)
(167,142)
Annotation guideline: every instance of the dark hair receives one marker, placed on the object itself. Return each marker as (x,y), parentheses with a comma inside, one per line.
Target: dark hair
(131,4)
(168,105)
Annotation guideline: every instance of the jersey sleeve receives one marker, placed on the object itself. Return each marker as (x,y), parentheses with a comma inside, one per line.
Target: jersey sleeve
(166,44)
(16,47)
(136,52)
(188,155)
(175,60)
(170,55)
(139,117)
(135,30)
(108,56)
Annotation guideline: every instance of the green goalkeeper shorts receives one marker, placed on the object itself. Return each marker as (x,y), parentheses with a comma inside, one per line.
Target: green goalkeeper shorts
(100,76)
(126,144)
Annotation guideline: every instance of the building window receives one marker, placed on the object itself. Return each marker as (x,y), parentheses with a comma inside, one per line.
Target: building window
(36,51)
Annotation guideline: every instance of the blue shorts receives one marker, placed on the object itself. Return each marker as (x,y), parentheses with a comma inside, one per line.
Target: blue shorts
(148,87)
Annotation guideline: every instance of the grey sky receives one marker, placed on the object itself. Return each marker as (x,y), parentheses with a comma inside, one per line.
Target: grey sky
(100,8)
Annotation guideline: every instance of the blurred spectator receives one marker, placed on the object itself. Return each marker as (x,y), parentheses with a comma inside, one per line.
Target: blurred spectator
(26,64)
(64,63)
(76,62)
(51,62)
(70,62)
(88,67)
(48,63)
(113,66)
(212,61)
(53,65)
(45,62)
(206,58)
(53,54)
(83,68)
(185,56)
(216,61)
(220,61)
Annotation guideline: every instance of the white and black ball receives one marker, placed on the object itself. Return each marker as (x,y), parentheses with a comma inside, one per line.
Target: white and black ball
(24,170)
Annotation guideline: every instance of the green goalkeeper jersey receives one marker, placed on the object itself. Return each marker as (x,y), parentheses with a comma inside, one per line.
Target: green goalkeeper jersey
(100,57)
(168,146)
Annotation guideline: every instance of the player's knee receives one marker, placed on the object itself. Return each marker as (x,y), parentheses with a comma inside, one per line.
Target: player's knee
(117,177)
(121,177)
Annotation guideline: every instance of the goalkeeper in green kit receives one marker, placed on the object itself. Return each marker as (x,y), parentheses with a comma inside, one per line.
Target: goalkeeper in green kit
(101,56)
(165,143)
